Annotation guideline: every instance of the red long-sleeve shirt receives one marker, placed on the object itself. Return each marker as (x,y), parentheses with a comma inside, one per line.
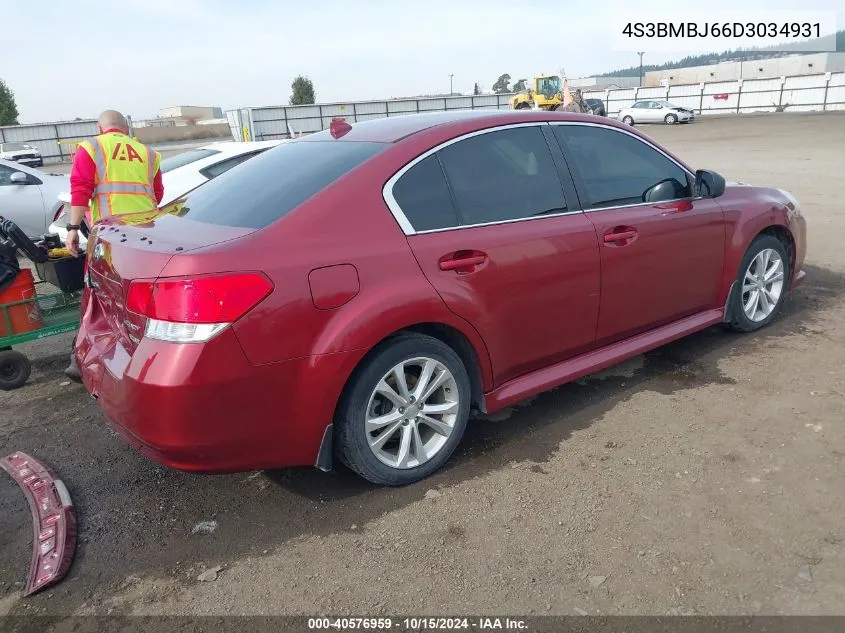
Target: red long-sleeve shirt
(83,181)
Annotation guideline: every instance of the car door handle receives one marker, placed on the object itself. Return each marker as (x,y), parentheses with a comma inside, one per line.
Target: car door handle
(463,260)
(619,236)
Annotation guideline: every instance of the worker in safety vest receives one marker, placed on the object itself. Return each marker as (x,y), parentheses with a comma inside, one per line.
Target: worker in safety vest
(112,174)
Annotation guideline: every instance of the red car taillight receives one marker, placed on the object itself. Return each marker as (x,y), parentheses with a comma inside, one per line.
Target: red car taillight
(59,213)
(194,309)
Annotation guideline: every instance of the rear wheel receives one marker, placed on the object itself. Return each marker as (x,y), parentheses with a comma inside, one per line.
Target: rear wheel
(522,106)
(761,286)
(627,120)
(14,370)
(404,411)
(671,119)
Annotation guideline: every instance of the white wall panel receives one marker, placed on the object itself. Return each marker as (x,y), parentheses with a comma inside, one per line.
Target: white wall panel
(837,79)
(371,107)
(761,85)
(675,92)
(835,94)
(806,81)
(302,112)
(267,114)
(458,103)
(428,105)
(651,93)
(759,99)
(402,106)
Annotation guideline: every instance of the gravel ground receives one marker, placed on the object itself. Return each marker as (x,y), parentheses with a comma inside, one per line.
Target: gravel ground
(706,477)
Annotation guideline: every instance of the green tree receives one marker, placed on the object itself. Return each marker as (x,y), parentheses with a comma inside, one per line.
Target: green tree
(476,89)
(519,86)
(302,91)
(501,85)
(8,108)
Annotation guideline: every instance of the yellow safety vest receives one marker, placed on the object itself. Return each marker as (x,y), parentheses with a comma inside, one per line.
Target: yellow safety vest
(126,170)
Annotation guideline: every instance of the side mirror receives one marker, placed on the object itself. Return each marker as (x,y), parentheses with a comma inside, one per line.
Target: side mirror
(669,189)
(709,184)
(19,178)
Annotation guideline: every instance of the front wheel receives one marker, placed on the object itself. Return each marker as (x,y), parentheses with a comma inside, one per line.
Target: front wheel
(761,286)
(627,120)
(671,119)
(404,411)
(14,370)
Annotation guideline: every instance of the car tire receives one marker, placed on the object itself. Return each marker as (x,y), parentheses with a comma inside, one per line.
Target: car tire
(356,438)
(14,370)
(627,120)
(743,316)
(671,119)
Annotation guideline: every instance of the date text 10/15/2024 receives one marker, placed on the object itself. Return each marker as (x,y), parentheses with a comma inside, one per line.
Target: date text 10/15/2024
(721,29)
(418,624)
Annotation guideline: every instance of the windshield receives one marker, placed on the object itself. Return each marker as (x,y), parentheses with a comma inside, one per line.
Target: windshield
(265,188)
(548,85)
(180,160)
(15,147)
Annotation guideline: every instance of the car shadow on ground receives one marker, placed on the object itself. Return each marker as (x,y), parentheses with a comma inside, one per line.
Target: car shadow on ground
(138,518)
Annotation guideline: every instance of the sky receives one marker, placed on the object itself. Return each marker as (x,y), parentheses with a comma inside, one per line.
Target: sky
(68,59)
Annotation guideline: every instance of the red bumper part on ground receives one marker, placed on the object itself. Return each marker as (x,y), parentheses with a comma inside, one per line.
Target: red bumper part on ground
(53,517)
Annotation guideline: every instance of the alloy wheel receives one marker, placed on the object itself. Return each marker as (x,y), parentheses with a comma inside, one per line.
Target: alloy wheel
(762,285)
(412,413)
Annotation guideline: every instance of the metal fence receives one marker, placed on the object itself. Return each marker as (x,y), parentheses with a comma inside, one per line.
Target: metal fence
(804,93)
(55,141)
(273,122)
(820,92)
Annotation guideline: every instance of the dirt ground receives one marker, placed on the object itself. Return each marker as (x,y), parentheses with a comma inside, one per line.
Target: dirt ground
(707,477)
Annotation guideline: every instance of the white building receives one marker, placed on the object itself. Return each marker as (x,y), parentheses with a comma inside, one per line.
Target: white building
(600,82)
(787,66)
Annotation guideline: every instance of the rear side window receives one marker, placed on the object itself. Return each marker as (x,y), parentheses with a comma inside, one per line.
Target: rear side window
(424,197)
(268,186)
(186,158)
(503,175)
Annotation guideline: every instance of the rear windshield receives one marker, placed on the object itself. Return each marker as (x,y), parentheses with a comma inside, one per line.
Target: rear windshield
(185,158)
(263,189)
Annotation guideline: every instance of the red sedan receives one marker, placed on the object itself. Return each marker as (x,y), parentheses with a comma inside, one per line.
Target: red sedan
(357,292)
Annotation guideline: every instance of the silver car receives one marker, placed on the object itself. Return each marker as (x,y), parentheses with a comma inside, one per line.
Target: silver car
(655,111)
(29,196)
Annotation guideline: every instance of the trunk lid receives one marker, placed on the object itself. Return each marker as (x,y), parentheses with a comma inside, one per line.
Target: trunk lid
(122,251)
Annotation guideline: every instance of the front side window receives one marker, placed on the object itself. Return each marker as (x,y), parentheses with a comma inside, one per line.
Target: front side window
(618,169)
(6,176)
(503,175)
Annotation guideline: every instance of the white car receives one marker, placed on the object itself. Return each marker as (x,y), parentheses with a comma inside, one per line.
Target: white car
(21,153)
(181,173)
(28,196)
(655,111)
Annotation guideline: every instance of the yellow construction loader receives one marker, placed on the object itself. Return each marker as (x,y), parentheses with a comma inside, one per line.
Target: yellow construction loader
(546,93)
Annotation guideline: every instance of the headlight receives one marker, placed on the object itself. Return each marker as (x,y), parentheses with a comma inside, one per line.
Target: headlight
(796,206)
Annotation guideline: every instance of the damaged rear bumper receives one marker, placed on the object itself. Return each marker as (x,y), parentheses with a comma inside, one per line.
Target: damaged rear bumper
(53,518)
